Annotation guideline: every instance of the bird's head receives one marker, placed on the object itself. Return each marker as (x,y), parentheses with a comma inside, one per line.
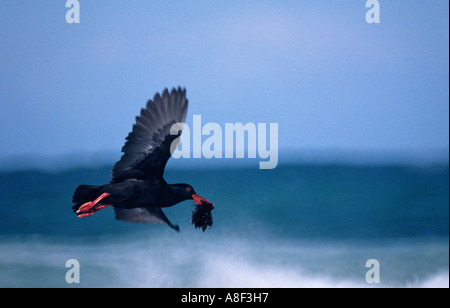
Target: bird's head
(188,193)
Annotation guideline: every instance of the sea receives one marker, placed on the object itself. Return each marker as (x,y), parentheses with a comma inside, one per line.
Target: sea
(299,225)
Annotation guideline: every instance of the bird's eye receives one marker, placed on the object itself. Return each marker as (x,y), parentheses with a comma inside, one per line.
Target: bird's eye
(188,189)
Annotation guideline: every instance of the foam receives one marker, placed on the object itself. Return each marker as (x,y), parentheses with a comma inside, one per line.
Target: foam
(151,262)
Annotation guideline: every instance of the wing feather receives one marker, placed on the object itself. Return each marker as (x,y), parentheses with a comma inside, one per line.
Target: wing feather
(144,215)
(147,147)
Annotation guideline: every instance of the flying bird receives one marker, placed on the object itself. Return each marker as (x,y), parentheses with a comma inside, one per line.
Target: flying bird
(137,190)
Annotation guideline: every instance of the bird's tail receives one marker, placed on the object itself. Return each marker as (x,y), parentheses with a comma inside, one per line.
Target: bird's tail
(83,194)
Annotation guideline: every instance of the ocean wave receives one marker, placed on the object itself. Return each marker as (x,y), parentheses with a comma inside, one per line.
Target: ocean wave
(439,280)
(165,262)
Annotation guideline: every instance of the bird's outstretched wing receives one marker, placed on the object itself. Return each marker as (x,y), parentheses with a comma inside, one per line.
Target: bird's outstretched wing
(144,215)
(148,146)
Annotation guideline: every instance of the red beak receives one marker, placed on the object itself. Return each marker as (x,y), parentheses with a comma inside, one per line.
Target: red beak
(199,199)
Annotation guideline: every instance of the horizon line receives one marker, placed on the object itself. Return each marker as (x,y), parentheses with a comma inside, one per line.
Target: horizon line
(287,156)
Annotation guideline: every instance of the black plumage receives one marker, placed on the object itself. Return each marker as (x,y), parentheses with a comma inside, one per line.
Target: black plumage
(137,190)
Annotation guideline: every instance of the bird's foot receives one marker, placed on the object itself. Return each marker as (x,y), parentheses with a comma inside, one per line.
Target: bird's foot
(91,207)
(86,214)
(92,211)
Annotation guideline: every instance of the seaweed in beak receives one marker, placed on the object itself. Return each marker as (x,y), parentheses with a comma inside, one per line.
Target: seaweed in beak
(201,215)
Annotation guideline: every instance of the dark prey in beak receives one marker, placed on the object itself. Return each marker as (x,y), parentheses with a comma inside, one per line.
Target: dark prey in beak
(201,216)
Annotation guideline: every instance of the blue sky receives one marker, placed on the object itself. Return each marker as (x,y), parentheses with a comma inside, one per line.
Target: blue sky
(331,80)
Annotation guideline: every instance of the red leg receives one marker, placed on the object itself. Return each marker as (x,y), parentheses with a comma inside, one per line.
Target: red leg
(86,214)
(102,206)
(89,206)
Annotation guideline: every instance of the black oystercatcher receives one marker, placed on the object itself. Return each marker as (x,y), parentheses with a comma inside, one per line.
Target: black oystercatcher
(138,190)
